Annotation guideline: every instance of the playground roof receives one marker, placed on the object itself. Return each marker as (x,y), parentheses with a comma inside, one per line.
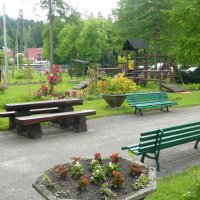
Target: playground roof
(135,44)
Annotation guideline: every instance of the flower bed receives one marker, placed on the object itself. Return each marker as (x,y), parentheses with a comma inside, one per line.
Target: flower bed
(89,179)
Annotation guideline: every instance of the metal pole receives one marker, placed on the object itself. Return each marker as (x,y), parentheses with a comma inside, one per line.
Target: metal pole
(5,42)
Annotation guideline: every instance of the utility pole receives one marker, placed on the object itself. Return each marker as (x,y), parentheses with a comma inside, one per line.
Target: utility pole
(18,33)
(5,42)
(51,32)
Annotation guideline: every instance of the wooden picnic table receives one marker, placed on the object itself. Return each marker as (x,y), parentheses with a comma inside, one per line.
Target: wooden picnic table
(18,110)
(61,103)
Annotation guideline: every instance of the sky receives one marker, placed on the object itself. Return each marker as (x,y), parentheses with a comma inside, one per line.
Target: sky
(12,7)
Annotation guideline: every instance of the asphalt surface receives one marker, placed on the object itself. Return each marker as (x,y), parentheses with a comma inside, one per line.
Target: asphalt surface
(22,159)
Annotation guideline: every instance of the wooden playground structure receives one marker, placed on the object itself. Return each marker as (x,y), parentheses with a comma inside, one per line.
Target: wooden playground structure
(141,73)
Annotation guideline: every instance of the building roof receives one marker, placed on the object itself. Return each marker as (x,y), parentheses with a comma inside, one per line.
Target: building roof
(135,44)
(35,53)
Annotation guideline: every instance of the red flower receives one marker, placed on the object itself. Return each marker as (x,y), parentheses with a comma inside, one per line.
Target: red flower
(115,157)
(97,156)
(63,96)
(61,169)
(85,177)
(74,93)
(67,93)
(116,174)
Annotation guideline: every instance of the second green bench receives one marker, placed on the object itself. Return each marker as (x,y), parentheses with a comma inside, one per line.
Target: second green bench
(141,101)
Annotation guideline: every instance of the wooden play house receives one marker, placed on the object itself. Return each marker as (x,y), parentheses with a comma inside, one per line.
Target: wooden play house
(141,72)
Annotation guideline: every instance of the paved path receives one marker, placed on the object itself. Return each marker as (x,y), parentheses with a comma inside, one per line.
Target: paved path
(22,160)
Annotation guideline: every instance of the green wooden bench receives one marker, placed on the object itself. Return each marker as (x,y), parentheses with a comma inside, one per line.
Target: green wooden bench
(141,101)
(152,142)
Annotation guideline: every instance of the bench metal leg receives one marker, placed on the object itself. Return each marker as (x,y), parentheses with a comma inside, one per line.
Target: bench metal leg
(135,110)
(143,157)
(196,144)
(161,108)
(157,154)
(167,108)
(156,158)
(158,164)
(140,112)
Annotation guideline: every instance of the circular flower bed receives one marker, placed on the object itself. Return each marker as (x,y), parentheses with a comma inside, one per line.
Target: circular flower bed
(89,179)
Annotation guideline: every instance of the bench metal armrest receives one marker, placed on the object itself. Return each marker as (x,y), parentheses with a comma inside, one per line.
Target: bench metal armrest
(131,147)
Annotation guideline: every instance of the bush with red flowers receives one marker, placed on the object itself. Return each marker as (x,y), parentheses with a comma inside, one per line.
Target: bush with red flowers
(54,77)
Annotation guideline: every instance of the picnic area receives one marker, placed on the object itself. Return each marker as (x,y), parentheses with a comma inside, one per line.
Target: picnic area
(96,107)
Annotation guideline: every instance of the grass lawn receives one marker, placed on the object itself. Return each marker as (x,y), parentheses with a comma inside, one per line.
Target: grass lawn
(20,93)
(182,186)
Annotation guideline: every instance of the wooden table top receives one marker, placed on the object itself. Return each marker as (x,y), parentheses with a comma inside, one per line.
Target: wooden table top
(43,104)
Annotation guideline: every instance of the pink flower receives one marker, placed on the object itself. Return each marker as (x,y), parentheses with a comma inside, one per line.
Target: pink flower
(67,93)
(74,93)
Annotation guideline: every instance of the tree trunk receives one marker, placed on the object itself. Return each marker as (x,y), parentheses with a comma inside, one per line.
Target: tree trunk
(155,46)
(51,32)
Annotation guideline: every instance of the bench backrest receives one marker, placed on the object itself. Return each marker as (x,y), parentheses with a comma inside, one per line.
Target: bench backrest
(156,140)
(146,97)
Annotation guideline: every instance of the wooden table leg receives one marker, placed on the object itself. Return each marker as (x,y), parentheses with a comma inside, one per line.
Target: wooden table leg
(79,124)
(66,122)
(31,131)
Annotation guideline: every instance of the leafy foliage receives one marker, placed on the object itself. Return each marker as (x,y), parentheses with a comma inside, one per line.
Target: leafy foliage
(107,192)
(77,170)
(141,182)
(117,85)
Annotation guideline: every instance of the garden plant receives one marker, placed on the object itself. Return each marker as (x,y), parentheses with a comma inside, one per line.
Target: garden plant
(89,179)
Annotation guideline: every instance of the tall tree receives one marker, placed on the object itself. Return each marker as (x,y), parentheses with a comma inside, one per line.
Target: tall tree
(57,8)
(94,41)
(145,19)
(67,41)
(184,23)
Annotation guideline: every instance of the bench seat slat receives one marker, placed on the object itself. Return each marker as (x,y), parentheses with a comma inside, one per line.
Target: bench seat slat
(7,114)
(33,111)
(181,130)
(146,149)
(179,142)
(27,120)
(147,143)
(153,132)
(155,104)
(180,135)
(148,138)
(181,126)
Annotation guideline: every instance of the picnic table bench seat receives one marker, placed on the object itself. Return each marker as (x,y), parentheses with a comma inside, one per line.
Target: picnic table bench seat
(141,101)
(12,114)
(152,142)
(30,125)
